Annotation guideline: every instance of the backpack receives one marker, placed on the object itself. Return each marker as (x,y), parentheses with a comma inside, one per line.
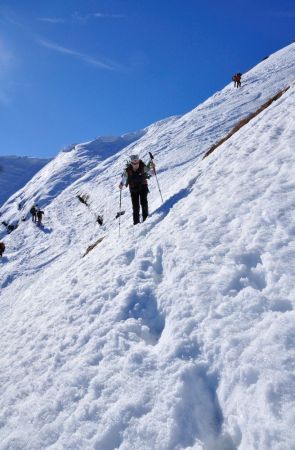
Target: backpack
(138,178)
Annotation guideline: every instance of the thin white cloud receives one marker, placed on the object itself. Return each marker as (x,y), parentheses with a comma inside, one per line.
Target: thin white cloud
(107,16)
(83,57)
(78,18)
(53,20)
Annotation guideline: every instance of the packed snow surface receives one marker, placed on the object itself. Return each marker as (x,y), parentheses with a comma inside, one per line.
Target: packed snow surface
(180,333)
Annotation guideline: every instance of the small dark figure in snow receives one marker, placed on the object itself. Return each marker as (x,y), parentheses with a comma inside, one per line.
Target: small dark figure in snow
(39,216)
(11,227)
(99,220)
(2,249)
(33,212)
(136,175)
(237,79)
(83,199)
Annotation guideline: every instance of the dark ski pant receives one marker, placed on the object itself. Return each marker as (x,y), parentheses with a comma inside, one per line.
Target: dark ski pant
(139,197)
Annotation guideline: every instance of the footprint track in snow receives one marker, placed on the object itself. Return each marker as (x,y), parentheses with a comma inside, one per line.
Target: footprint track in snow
(141,302)
(250,273)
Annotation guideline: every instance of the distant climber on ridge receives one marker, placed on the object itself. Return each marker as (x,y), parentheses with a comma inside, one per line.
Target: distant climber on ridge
(135,176)
(237,79)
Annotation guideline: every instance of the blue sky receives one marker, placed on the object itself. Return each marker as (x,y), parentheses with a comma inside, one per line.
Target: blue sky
(72,70)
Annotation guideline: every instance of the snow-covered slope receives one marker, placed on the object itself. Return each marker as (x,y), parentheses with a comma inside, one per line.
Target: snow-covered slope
(180,333)
(69,165)
(15,172)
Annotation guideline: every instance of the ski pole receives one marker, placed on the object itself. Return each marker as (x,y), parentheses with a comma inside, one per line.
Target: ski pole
(151,156)
(120,211)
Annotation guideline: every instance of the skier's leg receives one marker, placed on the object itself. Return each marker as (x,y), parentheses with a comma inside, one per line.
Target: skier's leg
(135,206)
(144,202)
